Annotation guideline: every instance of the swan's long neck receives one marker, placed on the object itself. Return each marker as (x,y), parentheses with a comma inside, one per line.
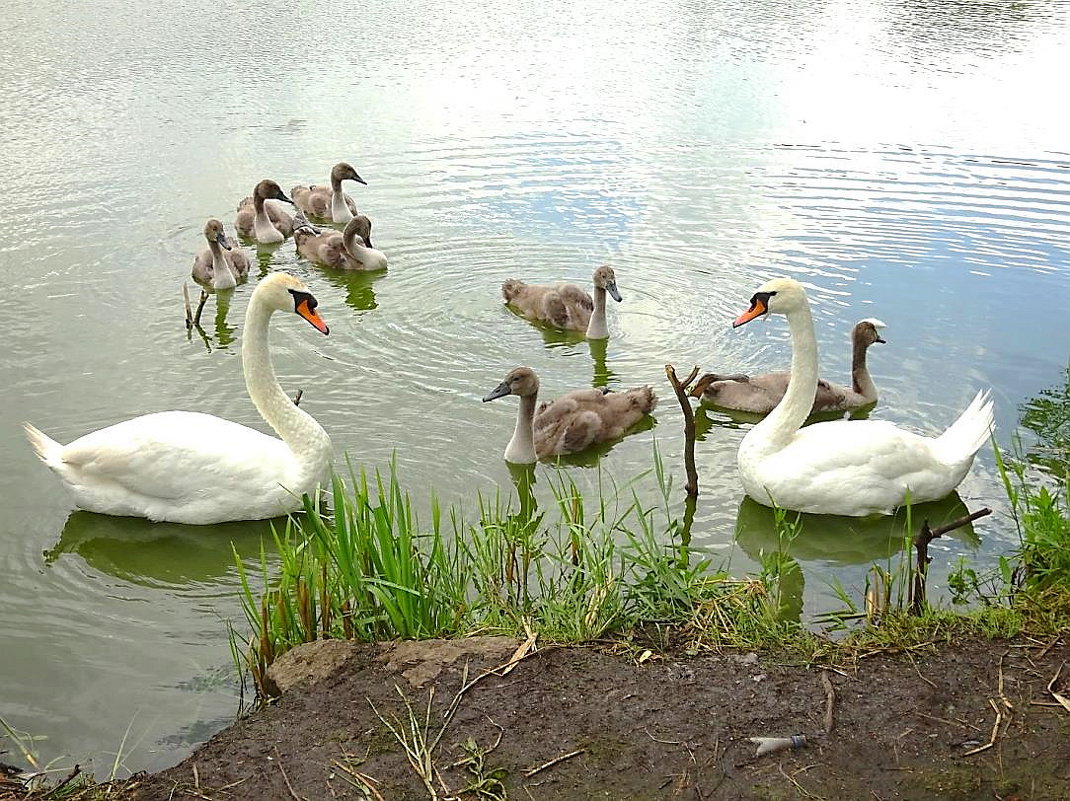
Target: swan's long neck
(339,208)
(222,275)
(307,440)
(780,425)
(596,326)
(521,448)
(861,381)
(369,258)
(263,228)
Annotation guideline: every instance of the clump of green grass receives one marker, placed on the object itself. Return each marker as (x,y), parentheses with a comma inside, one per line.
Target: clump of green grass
(576,571)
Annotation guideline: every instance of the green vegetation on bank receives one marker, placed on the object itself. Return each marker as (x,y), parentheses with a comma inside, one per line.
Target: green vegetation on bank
(617,568)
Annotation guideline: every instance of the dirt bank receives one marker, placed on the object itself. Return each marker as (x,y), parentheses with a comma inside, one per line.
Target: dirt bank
(582,723)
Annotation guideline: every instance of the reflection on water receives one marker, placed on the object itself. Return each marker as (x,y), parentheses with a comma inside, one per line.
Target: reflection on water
(358,286)
(603,374)
(160,554)
(810,542)
(846,540)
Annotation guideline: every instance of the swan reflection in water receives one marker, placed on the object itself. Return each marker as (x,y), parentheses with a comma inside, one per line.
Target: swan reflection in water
(849,544)
(359,286)
(162,554)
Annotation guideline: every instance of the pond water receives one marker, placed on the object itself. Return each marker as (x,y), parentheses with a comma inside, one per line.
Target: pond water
(906,160)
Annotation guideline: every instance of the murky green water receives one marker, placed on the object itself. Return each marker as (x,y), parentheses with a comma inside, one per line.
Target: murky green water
(908,161)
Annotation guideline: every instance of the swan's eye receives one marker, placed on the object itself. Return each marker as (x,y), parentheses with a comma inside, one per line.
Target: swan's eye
(303,297)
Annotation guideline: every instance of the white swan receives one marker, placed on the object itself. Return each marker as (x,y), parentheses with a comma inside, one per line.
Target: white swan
(571,423)
(189,467)
(566,305)
(759,394)
(845,467)
(221,266)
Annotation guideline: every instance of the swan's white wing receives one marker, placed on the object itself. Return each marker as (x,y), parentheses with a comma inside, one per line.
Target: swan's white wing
(173,454)
(855,467)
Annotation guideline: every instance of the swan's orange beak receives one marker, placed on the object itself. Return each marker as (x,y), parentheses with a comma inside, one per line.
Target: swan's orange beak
(312,316)
(757,309)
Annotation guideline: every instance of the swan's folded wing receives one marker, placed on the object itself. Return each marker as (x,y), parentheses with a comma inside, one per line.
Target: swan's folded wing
(170,454)
(882,461)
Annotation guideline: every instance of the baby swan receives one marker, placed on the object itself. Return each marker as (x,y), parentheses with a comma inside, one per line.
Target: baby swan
(329,203)
(759,394)
(190,467)
(845,467)
(565,305)
(222,266)
(267,224)
(571,423)
(344,251)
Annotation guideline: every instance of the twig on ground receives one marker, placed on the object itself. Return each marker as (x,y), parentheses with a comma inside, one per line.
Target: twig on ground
(529,773)
(995,730)
(285,778)
(1064,702)
(948,722)
(830,700)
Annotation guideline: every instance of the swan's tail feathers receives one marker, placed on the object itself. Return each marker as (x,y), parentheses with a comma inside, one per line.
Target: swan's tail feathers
(48,450)
(970,431)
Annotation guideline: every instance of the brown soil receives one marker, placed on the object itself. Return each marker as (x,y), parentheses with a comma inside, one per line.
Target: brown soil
(903,726)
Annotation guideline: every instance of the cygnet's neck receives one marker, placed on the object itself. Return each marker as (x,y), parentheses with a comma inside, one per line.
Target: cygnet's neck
(596,326)
(339,208)
(861,381)
(521,447)
(369,258)
(306,439)
(263,228)
(222,275)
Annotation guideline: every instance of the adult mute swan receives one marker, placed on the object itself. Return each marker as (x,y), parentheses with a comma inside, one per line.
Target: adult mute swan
(221,266)
(257,220)
(329,203)
(571,423)
(845,467)
(566,305)
(189,467)
(759,394)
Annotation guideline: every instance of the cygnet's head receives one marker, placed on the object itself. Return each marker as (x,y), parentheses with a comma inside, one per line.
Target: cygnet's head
(342,171)
(269,190)
(868,331)
(520,381)
(213,232)
(605,278)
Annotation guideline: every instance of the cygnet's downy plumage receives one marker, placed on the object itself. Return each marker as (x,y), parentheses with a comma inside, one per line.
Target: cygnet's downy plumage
(570,424)
(265,222)
(761,393)
(329,202)
(565,306)
(343,251)
(222,265)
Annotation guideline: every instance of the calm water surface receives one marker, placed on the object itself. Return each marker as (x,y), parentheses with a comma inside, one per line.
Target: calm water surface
(907,161)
